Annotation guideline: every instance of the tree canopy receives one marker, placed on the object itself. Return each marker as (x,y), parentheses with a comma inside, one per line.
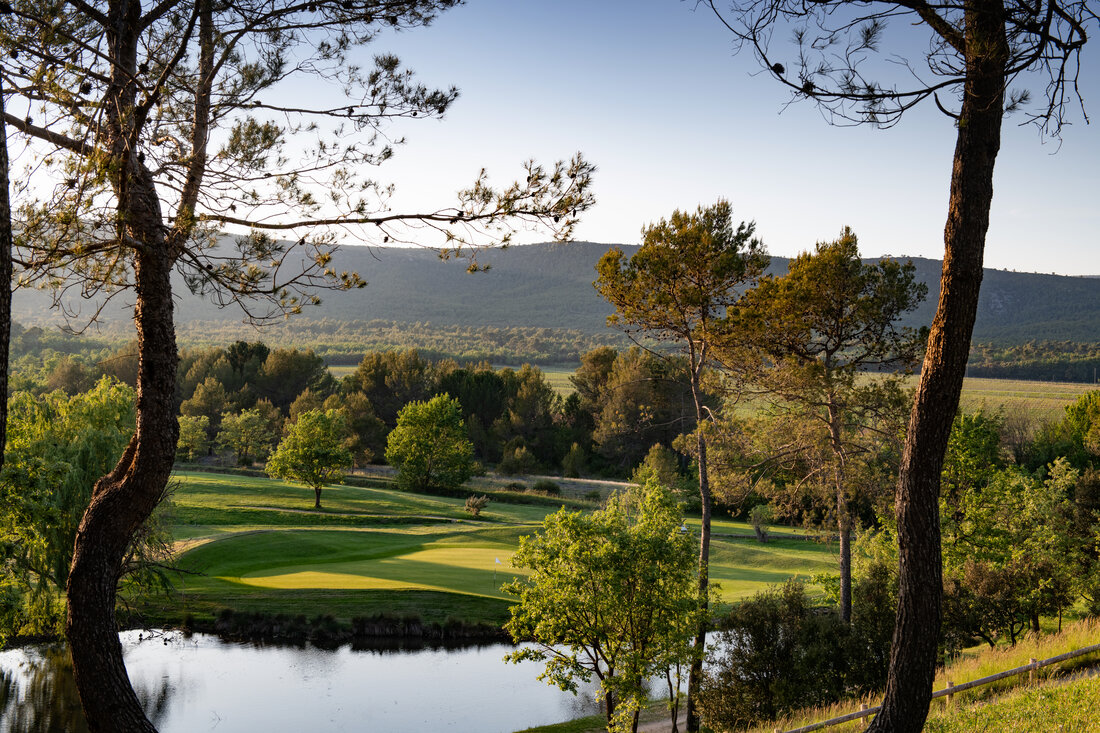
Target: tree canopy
(611,594)
(429,447)
(312,451)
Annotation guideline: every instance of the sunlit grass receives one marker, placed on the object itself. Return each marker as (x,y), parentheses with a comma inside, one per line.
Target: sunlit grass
(251,541)
(1071,707)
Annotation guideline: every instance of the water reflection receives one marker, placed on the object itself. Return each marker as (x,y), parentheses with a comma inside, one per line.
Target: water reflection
(201,683)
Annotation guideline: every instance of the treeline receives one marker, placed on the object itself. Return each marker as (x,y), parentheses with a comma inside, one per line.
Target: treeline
(237,401)
(37,350)
(1054,361)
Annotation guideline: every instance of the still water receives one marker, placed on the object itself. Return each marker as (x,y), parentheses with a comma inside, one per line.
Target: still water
(200,683)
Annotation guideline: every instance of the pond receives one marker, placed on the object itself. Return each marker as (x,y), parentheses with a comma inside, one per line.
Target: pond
(200,683)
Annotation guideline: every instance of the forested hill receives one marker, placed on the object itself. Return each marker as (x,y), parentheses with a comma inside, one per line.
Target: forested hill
(550,286)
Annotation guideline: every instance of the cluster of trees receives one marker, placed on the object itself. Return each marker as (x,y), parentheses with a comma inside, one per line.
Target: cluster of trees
(1021,541)
(239,398)
(1058,361)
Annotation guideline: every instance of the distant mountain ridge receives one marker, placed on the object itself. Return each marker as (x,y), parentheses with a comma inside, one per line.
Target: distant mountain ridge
(550,286)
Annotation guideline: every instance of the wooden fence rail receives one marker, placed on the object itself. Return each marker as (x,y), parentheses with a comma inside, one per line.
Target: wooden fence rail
(952,690)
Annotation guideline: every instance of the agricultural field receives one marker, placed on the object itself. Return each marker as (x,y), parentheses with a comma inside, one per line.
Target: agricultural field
(1043,401)
(255,544)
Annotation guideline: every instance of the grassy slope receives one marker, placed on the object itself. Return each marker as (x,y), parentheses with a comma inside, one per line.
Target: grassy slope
(1073,707)
(974,664)
(255,544)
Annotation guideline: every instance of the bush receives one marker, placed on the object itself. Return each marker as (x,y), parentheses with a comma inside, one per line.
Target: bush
(474,504)
(592,495)
(777,653)
(546,486)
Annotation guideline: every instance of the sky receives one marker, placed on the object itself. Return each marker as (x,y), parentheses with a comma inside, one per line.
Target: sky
(652,92)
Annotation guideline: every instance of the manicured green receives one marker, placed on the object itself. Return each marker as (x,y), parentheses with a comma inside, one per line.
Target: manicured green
(252,544)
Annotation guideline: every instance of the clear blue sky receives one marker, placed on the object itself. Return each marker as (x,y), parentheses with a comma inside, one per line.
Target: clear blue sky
(651,92)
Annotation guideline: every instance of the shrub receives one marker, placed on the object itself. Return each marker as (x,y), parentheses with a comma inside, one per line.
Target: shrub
(593,495)
(777,653)
(546,486)
(474,504)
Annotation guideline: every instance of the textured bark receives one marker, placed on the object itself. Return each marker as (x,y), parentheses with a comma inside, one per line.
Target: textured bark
(843,515)
(695,675)
(122,500)
(5,279)
(916,634)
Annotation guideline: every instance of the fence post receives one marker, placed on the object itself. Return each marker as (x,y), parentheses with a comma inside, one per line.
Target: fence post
(862,708)
(1034,664)
(950,695)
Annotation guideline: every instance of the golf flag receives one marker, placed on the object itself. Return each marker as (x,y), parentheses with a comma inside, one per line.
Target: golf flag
(499,562)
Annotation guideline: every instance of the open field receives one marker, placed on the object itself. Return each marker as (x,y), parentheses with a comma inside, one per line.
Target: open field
(558,377)
(1042,400)
(254,544)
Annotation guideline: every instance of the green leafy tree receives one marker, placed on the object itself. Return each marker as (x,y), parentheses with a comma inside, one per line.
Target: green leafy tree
(287,373)
(429,447)
(529,417)
(313,451)
(250,434)
(1076,437)
(824,323)
(58,446)
(391,380)
(646,400)
(367,439)
(662,465)
(611,595)
(676,288)
(193,440)
(306,401)
(1014,555)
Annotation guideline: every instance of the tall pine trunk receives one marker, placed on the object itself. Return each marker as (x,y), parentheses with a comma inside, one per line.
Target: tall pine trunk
(695,674)
(843,514)
(920,587)
(123,499)
(5,278)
